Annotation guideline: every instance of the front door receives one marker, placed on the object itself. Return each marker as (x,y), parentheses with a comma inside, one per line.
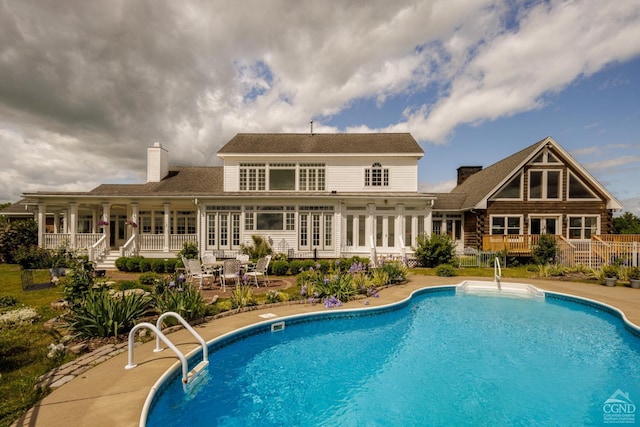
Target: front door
(385,231)
(117,231)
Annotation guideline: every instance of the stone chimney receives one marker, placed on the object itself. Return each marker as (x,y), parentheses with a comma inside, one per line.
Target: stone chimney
(157,163)
(465,172)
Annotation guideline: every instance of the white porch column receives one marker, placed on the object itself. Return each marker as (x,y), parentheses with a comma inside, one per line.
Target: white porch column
(56,222)
(199,226)
(72,223)
(428,219)
(134,218)
(166,229)
(94,220)
(65,221)
(42,223)
(400,234)
(106,216)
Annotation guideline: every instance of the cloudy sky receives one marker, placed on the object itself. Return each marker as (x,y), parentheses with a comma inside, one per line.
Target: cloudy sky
(86,86)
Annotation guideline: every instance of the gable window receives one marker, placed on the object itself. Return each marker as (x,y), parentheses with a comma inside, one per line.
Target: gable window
(544,184)
(512,190)
(545,157)
(311,177)
(282,176)
(253,177)
(376,176)
(506,225)
(577,189)
(582,227)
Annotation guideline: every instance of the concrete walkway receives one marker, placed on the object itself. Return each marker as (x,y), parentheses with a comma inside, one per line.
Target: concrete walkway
(108,395)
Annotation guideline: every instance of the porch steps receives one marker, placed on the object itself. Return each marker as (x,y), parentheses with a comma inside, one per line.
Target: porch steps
(108,262)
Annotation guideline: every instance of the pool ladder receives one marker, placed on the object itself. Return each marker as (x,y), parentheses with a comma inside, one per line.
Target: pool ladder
(497,273)
(187,376)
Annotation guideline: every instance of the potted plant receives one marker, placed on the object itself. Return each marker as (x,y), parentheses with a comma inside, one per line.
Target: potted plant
(610,273)
(633,273)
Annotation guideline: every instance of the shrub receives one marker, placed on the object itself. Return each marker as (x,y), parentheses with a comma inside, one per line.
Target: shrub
(170,265)
(133,264)
(296,266)
(242,296)
(157,265)
(258,249)
(33,257)
(189,250)
(445,270)
(274,296)
(633,273)
(187,302)
(121,263)
(324,265)
(546,250)
(8,301)
(339,286)
(102,315)
(435,250)
(149,278)
(18,234)
(379,277)
(396,271)
(280,268)
(78,281)
(610,271)
(144,265)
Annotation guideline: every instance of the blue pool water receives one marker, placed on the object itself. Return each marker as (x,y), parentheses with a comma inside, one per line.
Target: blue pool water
(439,360)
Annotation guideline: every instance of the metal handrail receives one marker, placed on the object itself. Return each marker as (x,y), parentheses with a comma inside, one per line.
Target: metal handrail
(205,349)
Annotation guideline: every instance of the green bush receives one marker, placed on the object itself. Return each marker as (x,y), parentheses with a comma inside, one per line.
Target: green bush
(18,234)
(242,296)
(280,267)
(8,301)
(144,265)
(78,281)
(435,250)
(170,265)
(296,266)
(325,265)
(189,250)
(121,263)
(102,315)
(157,265)
(133,264)
(274,296)
(546,250)
(445,270)
(258,249)
(396,271)
(187,302)
(149,278)
(33,257)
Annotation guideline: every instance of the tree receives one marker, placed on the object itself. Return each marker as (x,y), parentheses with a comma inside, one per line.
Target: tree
(546,250)
(627,223)
(18,235)
(435,250)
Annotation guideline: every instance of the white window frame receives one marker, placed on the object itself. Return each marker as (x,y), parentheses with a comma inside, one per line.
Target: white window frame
(545,184)
(544,217)
(575,176)
(506,226)
(582,226)
(376,176)
(520,176)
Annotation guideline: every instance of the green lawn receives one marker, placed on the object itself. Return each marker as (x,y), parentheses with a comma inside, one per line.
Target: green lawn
(23,349)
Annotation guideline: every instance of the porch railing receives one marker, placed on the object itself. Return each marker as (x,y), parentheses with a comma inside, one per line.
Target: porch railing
(514,244)
(130,248)
(99,249)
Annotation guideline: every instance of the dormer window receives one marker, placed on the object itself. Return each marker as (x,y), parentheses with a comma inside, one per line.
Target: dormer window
(376,176)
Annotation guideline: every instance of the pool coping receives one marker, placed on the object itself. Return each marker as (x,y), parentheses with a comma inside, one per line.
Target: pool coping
(107,395)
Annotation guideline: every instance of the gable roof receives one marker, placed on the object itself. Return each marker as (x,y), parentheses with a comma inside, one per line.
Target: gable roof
(477,188)
(322,143)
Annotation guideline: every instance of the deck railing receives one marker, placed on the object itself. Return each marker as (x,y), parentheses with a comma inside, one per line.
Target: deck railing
(594,253)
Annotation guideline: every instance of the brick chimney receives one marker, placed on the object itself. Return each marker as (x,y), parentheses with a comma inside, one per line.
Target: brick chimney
(157,163)
(465,172)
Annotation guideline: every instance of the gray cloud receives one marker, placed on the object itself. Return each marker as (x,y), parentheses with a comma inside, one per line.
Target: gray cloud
(92,84)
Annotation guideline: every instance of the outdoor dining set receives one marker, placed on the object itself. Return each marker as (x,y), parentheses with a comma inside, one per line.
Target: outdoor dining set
(209,270)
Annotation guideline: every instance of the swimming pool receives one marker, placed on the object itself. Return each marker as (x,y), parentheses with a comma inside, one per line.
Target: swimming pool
(438,359)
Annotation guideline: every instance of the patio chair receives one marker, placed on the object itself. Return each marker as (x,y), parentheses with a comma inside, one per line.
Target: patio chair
(260,270)
(230,271)
(197,273)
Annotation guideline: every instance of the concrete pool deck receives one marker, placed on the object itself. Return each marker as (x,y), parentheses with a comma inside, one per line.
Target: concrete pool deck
(108,395)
